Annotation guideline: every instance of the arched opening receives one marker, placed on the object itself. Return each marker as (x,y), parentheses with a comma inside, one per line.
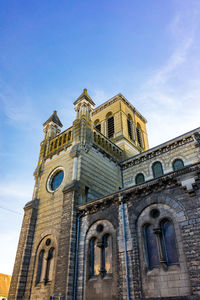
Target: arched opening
(130,127)
(139,178)
(157,169)
(151,247)
(110,126)
(97,125)
(178,164)
(39,267)
(168,242)
(139,135)
(49,265)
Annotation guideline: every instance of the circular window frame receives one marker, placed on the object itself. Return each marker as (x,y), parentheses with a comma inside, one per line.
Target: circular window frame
(51,175)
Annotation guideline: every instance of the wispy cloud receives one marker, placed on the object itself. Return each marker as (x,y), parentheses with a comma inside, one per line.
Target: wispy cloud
(174,87)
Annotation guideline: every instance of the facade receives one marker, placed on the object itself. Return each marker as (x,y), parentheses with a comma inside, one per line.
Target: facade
(4,286)
(110,218)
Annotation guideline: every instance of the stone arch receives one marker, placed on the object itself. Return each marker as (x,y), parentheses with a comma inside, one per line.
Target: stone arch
(106,280)
(164,199)
(46,242)
(160,276)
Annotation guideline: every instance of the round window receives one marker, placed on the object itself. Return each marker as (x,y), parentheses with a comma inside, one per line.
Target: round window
(56,180)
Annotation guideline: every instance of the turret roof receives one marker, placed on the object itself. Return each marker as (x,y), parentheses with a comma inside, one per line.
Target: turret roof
(54,118)
(84,95)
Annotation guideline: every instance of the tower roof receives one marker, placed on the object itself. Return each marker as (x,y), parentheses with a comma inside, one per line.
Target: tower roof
(54,118)
(84,95)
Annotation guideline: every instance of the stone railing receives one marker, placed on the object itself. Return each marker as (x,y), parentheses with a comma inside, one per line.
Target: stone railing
(107,146)
(59,142)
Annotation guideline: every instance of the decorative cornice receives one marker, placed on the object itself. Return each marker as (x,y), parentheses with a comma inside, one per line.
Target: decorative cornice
(157,151)
(115,99)
(143,189)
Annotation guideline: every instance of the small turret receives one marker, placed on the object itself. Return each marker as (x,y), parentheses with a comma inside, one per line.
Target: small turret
(52,126)
(84,106)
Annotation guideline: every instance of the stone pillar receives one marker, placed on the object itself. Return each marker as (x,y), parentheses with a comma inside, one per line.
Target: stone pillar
(66,244)
(22,261)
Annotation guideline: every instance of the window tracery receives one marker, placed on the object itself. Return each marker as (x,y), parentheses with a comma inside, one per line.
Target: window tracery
(45,264)
(100,253)
(159,241)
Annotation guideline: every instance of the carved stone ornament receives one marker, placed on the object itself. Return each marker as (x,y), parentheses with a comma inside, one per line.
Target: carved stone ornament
(197,138)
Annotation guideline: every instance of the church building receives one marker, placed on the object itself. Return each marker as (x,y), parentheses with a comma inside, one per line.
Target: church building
(110,219)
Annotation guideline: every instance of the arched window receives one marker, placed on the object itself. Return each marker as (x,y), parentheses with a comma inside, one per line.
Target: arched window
(139,178)
(39,268)
(94,258)
(169,242)
(178,164)
(100,256)
(130,127)
(157,169)
(107,253)
(97,125)
(49,265)
(139,135)
(151,247)
(110,127)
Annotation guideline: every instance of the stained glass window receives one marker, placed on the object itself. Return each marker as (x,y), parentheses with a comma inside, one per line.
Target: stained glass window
(178,164)
(56,180)
(139,178)
(169,242)
(151,246)
(157,169)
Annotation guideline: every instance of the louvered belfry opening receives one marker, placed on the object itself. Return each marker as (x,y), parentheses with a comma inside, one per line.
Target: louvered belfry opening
(130,129)
(139,137)
(98,127)
(110,123)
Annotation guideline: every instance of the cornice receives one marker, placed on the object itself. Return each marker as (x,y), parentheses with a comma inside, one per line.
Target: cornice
(143,189)
(115,99)
(156,151)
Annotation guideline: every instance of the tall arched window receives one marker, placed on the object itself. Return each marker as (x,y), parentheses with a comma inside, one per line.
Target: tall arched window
(178,164)
(100,255)
(157,169)
(110,126)
(152,254)
(107,253)
(130,127)
(139,135)
(39,267)
(169,242)
(49,265)
(94,258)
(139,178)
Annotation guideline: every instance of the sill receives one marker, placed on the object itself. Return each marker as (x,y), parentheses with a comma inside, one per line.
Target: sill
(163,267)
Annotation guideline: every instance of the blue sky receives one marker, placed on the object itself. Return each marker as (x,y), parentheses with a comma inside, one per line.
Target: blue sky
(50,50)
